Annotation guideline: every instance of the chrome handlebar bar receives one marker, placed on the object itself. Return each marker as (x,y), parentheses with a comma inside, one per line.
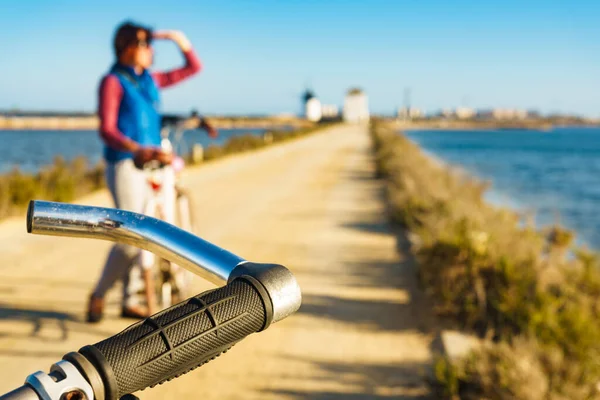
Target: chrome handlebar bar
(165,240)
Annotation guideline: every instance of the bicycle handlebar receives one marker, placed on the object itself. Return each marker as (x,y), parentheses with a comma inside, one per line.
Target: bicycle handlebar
(172,120)
(25,392)
(168,344)
(177,120)
(176,340)
(174,244)
(181,338)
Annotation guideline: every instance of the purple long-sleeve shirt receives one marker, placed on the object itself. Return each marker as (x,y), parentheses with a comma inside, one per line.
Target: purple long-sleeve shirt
(111,93)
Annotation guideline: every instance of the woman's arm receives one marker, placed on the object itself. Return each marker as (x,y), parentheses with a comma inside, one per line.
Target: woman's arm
(192,62)
(110,95)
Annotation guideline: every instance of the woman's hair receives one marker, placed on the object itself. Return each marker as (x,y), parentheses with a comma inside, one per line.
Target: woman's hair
(126,35)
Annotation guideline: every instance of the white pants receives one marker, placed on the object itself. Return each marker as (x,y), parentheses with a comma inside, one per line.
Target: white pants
(131,191)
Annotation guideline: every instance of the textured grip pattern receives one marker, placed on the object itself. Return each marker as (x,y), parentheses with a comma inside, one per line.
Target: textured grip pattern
(183,337)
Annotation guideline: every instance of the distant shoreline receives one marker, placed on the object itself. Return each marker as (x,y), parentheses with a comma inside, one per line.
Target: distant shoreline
(534,125)
(71,123)
(63,123)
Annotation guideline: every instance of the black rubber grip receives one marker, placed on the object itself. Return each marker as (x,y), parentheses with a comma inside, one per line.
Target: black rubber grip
(181,338)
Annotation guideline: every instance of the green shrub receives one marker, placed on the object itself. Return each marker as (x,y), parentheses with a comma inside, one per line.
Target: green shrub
(521,370)
(60,181)
(213,152)
(493,275)
(243,143)
(239,144)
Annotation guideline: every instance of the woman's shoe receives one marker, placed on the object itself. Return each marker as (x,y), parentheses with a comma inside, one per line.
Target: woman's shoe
(133,313)
(95,309)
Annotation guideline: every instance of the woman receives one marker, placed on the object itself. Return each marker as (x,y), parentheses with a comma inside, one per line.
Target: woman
(130,129)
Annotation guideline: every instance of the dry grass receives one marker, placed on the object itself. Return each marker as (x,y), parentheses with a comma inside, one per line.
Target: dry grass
(243,143)
(65,181)
(60,181)
(498,278)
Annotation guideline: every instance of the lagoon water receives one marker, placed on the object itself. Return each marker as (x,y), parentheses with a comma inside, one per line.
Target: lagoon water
(31,150)
(555,174)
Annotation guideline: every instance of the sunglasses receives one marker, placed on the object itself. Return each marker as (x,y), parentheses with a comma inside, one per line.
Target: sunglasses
(143,43)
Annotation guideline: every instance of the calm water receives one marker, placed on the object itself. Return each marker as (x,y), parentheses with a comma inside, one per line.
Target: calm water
(556,174)
(30,150)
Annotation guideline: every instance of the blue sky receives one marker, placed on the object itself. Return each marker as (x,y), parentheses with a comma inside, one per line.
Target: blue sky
(259,55)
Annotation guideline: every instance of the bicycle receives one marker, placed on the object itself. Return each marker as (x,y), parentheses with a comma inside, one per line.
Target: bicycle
(174,341)
(166,187)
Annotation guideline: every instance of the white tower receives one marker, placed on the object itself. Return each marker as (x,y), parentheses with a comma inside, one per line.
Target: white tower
(356,106)
(312,107)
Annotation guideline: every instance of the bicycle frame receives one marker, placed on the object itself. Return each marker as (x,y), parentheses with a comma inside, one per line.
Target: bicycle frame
(167,202)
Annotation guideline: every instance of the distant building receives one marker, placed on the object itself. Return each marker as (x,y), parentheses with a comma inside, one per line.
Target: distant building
(410,113)
(447,113)
(356,106)
(484,114)
(503,114)
(312,110)
(507,114)
(329,111)
(465,113)
(521,114)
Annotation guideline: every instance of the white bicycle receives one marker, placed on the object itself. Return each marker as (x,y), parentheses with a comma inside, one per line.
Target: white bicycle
(170,202)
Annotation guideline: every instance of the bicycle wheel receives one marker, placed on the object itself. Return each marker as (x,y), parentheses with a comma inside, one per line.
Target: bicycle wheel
(184,210)
(181,277)
(165,288)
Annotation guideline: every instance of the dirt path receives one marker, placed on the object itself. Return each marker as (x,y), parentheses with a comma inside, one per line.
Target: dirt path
(312,205)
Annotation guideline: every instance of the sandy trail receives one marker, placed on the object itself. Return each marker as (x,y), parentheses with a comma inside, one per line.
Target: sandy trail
(312,205)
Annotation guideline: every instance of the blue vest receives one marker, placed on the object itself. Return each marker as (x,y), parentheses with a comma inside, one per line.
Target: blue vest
(139,118)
